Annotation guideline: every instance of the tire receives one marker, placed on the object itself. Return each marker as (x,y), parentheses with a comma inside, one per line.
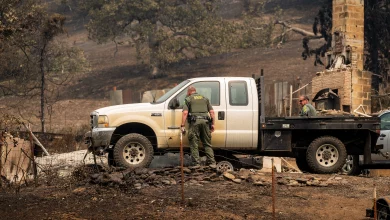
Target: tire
(351,166)
(383,212)
(228,157)
(326,154)
(133,150)
(302,164)
(224,166)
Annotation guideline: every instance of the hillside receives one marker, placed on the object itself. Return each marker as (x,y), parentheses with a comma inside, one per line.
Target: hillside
(90,91)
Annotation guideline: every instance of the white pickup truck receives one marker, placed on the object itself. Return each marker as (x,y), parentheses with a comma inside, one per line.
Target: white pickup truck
(131,134)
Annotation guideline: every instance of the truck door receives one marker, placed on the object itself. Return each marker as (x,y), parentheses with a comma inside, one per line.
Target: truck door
(384,137)
(213,90)
(240,116)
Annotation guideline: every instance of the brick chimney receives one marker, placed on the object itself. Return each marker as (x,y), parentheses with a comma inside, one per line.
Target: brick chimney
(348,22)
(346,75)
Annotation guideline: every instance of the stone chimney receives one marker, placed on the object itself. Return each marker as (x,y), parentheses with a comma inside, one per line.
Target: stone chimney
(348,24)
(345,74)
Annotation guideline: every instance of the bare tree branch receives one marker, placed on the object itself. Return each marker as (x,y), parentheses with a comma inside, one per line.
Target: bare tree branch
(301,31)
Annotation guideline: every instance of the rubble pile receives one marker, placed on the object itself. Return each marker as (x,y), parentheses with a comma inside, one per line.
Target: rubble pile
(144,177)
(199,175)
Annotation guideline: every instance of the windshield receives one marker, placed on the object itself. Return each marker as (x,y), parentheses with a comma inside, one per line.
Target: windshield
(171,92)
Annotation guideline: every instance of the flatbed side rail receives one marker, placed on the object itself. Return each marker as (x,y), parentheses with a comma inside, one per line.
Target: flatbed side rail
(293,123)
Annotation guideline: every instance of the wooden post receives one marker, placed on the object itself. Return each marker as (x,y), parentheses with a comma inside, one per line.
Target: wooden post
(375,213)
(2,140)
(182,166)
(34,165)
(291,92)
(273,190)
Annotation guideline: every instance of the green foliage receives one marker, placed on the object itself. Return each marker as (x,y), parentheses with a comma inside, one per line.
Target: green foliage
(64,60)
(18,17)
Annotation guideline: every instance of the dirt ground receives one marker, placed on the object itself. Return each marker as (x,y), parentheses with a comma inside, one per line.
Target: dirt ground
(344,197)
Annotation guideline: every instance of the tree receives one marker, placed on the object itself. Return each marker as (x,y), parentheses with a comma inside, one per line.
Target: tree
(34,63)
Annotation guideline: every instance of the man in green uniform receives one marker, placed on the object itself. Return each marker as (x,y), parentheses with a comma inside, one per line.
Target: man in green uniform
(307,108)
(200,114)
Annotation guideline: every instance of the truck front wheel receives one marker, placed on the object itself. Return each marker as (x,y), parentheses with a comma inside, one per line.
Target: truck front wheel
(326,154)
(133,150)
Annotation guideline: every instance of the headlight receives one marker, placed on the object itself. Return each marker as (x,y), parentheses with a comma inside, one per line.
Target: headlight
(103,121)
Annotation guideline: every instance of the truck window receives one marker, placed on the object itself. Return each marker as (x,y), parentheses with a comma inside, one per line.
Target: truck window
(385,122)
(238,93)
(207,89)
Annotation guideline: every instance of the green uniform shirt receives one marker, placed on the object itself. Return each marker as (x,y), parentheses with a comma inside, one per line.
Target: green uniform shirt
(308,110)
(197,105)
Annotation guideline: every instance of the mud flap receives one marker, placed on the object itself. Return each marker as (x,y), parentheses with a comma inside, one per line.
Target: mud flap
(367,149)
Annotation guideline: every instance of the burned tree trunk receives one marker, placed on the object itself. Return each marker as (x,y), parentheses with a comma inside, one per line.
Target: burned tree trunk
(42,69)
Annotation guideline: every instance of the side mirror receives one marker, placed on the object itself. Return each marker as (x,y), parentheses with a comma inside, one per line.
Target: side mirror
(174,103)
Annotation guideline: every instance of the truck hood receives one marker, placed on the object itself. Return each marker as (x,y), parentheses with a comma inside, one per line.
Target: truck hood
(127,108)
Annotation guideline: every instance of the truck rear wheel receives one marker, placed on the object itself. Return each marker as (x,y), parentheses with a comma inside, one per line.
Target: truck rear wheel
(326,154)
(133,150)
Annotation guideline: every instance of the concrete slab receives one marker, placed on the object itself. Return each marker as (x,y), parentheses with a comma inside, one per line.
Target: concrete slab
(267,164)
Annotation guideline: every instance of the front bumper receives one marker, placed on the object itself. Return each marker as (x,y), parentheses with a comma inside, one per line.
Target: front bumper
(99,137)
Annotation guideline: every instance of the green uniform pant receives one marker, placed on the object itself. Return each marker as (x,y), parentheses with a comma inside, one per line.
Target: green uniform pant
(200,131)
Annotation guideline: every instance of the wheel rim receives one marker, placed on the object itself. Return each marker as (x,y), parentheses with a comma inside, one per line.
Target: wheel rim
(327,155)
(348,164)
(134,153)
(224,166)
